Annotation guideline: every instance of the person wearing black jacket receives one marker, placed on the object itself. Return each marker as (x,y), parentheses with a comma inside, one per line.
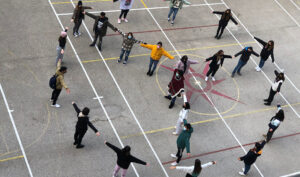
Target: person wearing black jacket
(77,17)
(124,159)
(275,88)
(60,49)
(82,125)
(225,17)
(265,52)
(216,61)
(274,123)
(251,157)
(100,27)
(246,53)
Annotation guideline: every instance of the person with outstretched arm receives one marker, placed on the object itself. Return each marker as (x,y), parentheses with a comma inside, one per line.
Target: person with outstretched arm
(266,51)
(193,171)
(223,22)
(275,88)
(77,17)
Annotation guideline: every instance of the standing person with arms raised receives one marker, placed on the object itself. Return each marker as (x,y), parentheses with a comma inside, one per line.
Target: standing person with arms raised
(176,87)
(275,88)
(60,49)
(175,5)
(223,22)
(266,51)
(193,171)
(77,17)
(184,64)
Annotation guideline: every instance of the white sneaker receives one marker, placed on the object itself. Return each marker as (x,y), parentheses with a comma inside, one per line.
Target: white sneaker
(258,69)
(174,163)
(173,156)
(56,105)
(243,169)
(206,78)
(75,35)
(241,173)
(79,33)
(168,19)
(126,21)
(119,21)
(213,79)
(174,133)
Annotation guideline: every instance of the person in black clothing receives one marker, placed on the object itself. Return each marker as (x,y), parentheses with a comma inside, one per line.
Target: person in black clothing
(100,27)
(246,53)
(265,52)
(124,159)
(77,17)
(81,125)
(275,88)
(60,49)
(226,16)
(217,60)
(274,123)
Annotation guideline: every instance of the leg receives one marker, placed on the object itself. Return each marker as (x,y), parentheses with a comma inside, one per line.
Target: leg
(74,28)
(121,55)
(78,26)
(172,102)
(122,12)
(124,171)
(100,42)
(127,55)
(247,168)
(174,14)
(59,55)
(271,96)
(170,12)
(95,39)
(55,95)
(261,63)
(155,62)
(214,72)
(222,30)
(242,65)
(76,137)
(179,155)
(80,136)
(125,13)
(116,170)
(209,72)
(237,67)
(219,27)
(150,66)
(269,135)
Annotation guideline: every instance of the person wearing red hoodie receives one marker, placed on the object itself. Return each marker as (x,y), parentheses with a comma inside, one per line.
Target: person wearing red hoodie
(176,87)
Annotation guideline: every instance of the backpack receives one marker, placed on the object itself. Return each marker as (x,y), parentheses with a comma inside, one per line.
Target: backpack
(127,2)
(52,82)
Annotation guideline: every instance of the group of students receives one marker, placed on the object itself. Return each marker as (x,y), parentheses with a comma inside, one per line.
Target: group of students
(183,129)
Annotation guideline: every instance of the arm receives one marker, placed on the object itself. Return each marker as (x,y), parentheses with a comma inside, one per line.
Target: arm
(92,126)
(61,80)
(185,169)
(113,147)
(254,53)
(165,53)
(210,58)
(148,46)
(207,164)
(74,13)
(76,108)
(91,15)
(136,160)
(279,86)
(276,73)
(58,65)
(260,41)
(112,27)
(227,56)
(217,12)
(87,7)
(193,61)
(242,158)
(239,53)
(186,2)
(187,144)
(233,20)
(272,56)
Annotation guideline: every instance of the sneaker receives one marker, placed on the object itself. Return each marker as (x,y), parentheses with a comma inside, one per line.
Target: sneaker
(265,100)
(148,73)
(169,98)
(79,33)
(56,105)
(219,37)
(174,163)
(173,156)
(119,60)
(151,73)
(75,143)
(174,133)
(258,69)
(171,105)
(206,78)
(119,21)
(241,173)
(232,75)
(240,74)
(172,22)
(51,100)
(75,35)
(92,45)
(267,104)
(213,79)
(168,19)
(125,62)
(80,146)
(126,21)
(216,36)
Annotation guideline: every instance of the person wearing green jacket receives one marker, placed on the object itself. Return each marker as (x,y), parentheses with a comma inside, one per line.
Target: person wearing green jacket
(175,5)
(183,141)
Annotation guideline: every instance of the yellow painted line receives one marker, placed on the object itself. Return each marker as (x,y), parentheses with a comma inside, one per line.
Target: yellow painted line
(144,4)
(172,51)
(12,158)
(75,2)
(210,120)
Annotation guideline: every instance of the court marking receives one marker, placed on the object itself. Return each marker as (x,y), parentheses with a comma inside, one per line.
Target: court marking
(90,82)
(238,115)
(142,1)
(230,148)
(295,4)
(170,51)
(140,9)
(291,17)
(4,140)
(68,2)
(15,130)
(12,158)
(292,174)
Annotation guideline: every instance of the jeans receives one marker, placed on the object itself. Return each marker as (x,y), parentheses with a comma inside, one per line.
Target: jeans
(174,12)
(116,170)
(55,95)
(261,63)
(152,62)
(127,52)
(77,25)
(247,168)
(59,55)
(125,12)
(173,100)
(239,66)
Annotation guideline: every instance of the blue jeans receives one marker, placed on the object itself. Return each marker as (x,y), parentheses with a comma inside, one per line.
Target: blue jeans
(261,63)
(127,52)
(173,100)
(174,12)
(153,62)
(247,168)
(239,66)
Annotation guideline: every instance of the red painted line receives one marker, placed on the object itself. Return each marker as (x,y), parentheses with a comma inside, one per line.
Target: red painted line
(167,29)
(230,148)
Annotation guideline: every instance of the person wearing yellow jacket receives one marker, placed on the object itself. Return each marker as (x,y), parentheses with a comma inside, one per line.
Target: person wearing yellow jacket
(156,53)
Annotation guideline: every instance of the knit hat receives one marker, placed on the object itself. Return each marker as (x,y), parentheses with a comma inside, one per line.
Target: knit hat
(79,3)
(63,34)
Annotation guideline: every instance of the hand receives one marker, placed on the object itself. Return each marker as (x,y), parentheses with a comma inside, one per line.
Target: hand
(105,142)
(68,90)
(239,159)
(233,56)
(73,102)
(271,130)
(98,133)
(67,28)
(189,154)
(145,43)
(214,162)
(147,164)
(62,51)
(83,12)
(72,20)
(172,167)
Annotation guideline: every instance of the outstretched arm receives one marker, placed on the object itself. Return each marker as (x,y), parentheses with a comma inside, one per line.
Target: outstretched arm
(76,108)
(218,12)
(92,126)
(254,53)
(91,15)
(234,21)
(112,27)
(227,56)
(186,2)
(116,149)
(238,53)
(136,160)
(260,41)
(165,53)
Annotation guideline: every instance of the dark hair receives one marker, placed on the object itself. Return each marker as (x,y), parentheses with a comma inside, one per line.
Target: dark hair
(280,115)
(219,54)
(184,60)
(270,47)
(85,111)
(226,16)
(159,43)
(126,150)
(63,68)
(130,33)
(180,72)
(281,76)
(188,126)
(187,106)
(102,14)
(197,167)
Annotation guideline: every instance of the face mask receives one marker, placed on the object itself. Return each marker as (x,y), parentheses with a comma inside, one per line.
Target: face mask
(129,37)
(184,128)
(158,46)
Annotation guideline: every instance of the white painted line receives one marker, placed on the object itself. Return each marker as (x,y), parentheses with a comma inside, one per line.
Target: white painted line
(198,83)
(124,98)
(16,131)
(91,84)
(292,174)
(240,22)
(138,9)
(295,4)
(11,110)
(287,13)
(96,98)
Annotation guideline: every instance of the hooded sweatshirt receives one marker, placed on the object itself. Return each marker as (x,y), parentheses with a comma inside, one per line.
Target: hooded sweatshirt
(176,86)
(156,53)
(183,140)
(83,120)
(246,54)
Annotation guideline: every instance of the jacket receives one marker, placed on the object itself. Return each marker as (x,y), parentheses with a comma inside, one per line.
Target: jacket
(224,22)
(180,4)
(60,83)
(83,121)
(105,23)
(126,4)
(190,169)
(157,53)
(183,140)
(277,83)
(128,43)
(246,55)
(215,63)
(250,157)
(176,86)
(265,53)
(123,160)
(180,65)
(274,123)
(77,14)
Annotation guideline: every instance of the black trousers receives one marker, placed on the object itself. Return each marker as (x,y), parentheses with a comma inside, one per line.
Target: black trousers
(221,27)
(76,26)
(179,154)
(100,40)
(55,94)
(269,135)
(79,134)
(125,12)
(271,95)
(212,71)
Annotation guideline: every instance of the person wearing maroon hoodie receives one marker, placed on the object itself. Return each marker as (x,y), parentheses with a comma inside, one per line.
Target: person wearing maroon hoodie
(176,87)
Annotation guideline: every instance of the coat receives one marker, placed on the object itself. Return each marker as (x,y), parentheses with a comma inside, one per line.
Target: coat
(128,43)
(246,55)
(214,62)
(83,121)
(183,140)
(224,22)
(181,3)
(265,53)
(78,14)
(157,53)
(250,157)
(124,6)
(60,83)
(176,86)
(180,65)
(102,31)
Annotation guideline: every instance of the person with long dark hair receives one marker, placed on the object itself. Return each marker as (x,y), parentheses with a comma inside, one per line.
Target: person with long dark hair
(275,88)
(60,49)
(184,64)
(266,51)
(225,17)
(251,157)
(124,159)
(274,123)
(216,60)
(193,171)
(77,17)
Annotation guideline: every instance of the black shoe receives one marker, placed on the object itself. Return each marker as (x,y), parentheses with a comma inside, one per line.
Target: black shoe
(265,100)
(171,105)
(239,74)
(219,37)
(79,146)
(151,73)
(232,75)
(267,104)
(100,48)
(75,143)
(148,73)
(168,97)
(92,45)
(216,36)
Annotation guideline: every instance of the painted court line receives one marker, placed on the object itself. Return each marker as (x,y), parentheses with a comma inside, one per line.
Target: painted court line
(12,158)
(68,2)
(139,9)
(16,131)
(124,98)
(231,148)
(200,85)
(291,17)
(295,4)
(91,84)
(292,174)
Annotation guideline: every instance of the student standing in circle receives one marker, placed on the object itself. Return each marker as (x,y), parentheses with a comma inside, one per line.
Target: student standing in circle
(125,6)
(184,64)
(250,158)
(60,49)
(193,171)
(175,5)
(274,123)
(176,87)
(225,17)
(275,88)
(183,114)
(265,52)
(77,17)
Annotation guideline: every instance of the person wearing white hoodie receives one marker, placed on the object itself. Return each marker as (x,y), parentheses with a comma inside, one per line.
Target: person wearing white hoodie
(182,116)
(193,171)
